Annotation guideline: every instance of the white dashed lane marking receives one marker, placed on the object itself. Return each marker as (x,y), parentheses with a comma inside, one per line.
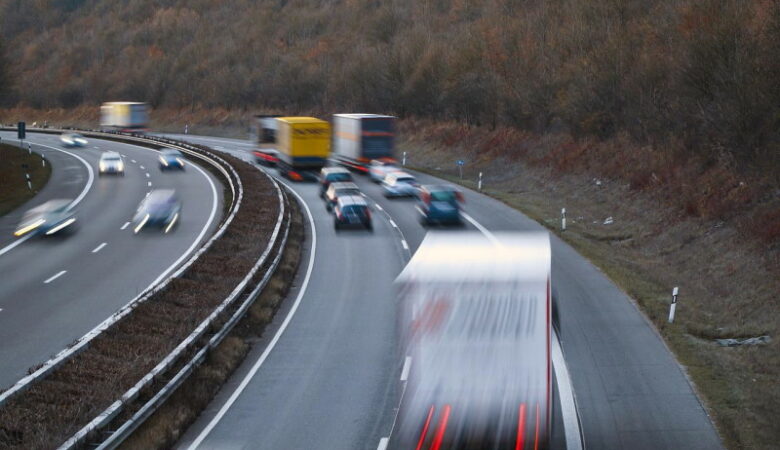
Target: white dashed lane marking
(99,247)
(61,273)
(125,225)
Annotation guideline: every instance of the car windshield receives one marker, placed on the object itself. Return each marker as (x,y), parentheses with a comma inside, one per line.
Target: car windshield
(407,180)
(443,196)
(171,153)
(339,177)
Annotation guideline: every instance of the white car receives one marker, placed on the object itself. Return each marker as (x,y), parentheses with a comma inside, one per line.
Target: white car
(400,184)
(380,168)
(111,163)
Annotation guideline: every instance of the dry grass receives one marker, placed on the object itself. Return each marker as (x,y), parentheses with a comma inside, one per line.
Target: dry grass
(53,409)
(13,184)
(167,425)
(715,238)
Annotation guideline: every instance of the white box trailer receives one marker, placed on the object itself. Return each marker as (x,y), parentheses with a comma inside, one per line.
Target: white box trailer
(475,323)
(359,138)
(131,116)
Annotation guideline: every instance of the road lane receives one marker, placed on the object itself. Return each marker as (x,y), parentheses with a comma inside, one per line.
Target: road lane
(40,319)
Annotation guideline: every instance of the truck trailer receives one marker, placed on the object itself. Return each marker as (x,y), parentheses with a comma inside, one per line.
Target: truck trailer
(360,138)
(303,147)
(475,324)
(124,116)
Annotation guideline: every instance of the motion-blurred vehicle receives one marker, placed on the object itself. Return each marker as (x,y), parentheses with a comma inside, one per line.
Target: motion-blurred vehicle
(379,169)
(352,212)
(475,325)
(399,184)
(359,138)
(111,163)
(124,116)
(52,217)
(329,175)
(265,131)
(72,140)
(161,209)
(439,204)
(337,190)
(303,146)
(171,159)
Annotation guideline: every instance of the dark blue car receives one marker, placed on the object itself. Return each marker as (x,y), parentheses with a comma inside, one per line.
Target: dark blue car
(171,160)
(439,204)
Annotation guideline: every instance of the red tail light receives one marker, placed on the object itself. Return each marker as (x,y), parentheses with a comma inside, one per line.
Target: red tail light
(445,417)
(425,429)
(520,443)
(459,196)
(295,175)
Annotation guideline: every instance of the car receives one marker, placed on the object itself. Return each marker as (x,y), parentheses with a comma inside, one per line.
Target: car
(353,212)
(331,174)
(171,159)
(52,217)
(439,204)
(111,163)
(379,168)
(71,140)
(266,156)
(161,208)
(339,189)
(399,184)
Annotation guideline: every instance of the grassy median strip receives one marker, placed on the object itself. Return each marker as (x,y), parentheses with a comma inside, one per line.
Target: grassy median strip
(52,410)
(16,164)
(167,425)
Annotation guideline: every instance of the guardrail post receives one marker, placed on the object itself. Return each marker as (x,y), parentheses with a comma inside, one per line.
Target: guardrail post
(479,182)
(403,161)
(673,306)
(563,219)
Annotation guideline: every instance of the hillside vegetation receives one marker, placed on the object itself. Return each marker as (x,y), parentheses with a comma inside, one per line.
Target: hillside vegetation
(700,74)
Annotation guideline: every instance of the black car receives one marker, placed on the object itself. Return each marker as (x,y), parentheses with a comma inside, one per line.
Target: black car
(352,212)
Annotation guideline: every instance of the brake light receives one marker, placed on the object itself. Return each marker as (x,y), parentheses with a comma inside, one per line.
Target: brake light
(368,213)
(295,175)
(459,196)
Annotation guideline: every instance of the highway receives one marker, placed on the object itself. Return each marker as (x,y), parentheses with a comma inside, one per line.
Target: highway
(56,289)
(327,372)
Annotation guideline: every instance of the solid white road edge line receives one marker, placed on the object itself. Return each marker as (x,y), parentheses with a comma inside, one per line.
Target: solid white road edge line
(234,396)
(383,444)
(59,274)
(87,187)
(571,423)
(99,247)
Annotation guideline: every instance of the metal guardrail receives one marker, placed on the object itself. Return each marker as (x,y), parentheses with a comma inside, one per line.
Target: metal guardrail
(80,344)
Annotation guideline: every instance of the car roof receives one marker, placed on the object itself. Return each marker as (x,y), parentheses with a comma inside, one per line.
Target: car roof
(112,155)
(161,195)
(400,174)
(343,185)
(170,151)
(438,187)
(329,170)
(349,200)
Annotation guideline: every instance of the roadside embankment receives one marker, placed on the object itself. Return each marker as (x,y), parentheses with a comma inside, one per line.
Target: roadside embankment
(16,165)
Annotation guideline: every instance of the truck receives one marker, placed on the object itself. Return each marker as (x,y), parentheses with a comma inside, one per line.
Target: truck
(264,131)
(124,116)
(303,147)
(360,138)
(475,326)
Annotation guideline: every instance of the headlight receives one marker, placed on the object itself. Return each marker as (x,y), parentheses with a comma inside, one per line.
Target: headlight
(181,161)
(162,160)
(27,228)
(120,167)
(102,166)
(61,226)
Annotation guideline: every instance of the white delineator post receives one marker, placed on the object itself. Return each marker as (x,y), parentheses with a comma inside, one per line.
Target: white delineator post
(29,183)
(403,161)
(673,306)
(479,182)
(563,219)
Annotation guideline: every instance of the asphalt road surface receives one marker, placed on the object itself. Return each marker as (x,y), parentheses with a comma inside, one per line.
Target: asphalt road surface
(56,289)
(327,372)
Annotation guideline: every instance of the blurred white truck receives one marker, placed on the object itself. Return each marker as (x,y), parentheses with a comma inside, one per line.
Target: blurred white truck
(124,116)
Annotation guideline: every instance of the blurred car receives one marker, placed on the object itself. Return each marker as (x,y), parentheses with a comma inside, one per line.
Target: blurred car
(171,159)
(160,209)
(266,156)
(399,184)
(50,218)
(339,189)
(331,174)
(71,140)
(439,204)
(379,169)
(111,163)
(352,212)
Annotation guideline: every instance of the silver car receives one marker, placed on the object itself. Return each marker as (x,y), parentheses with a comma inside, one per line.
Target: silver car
(111,163)
(400,184)
(161,209)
